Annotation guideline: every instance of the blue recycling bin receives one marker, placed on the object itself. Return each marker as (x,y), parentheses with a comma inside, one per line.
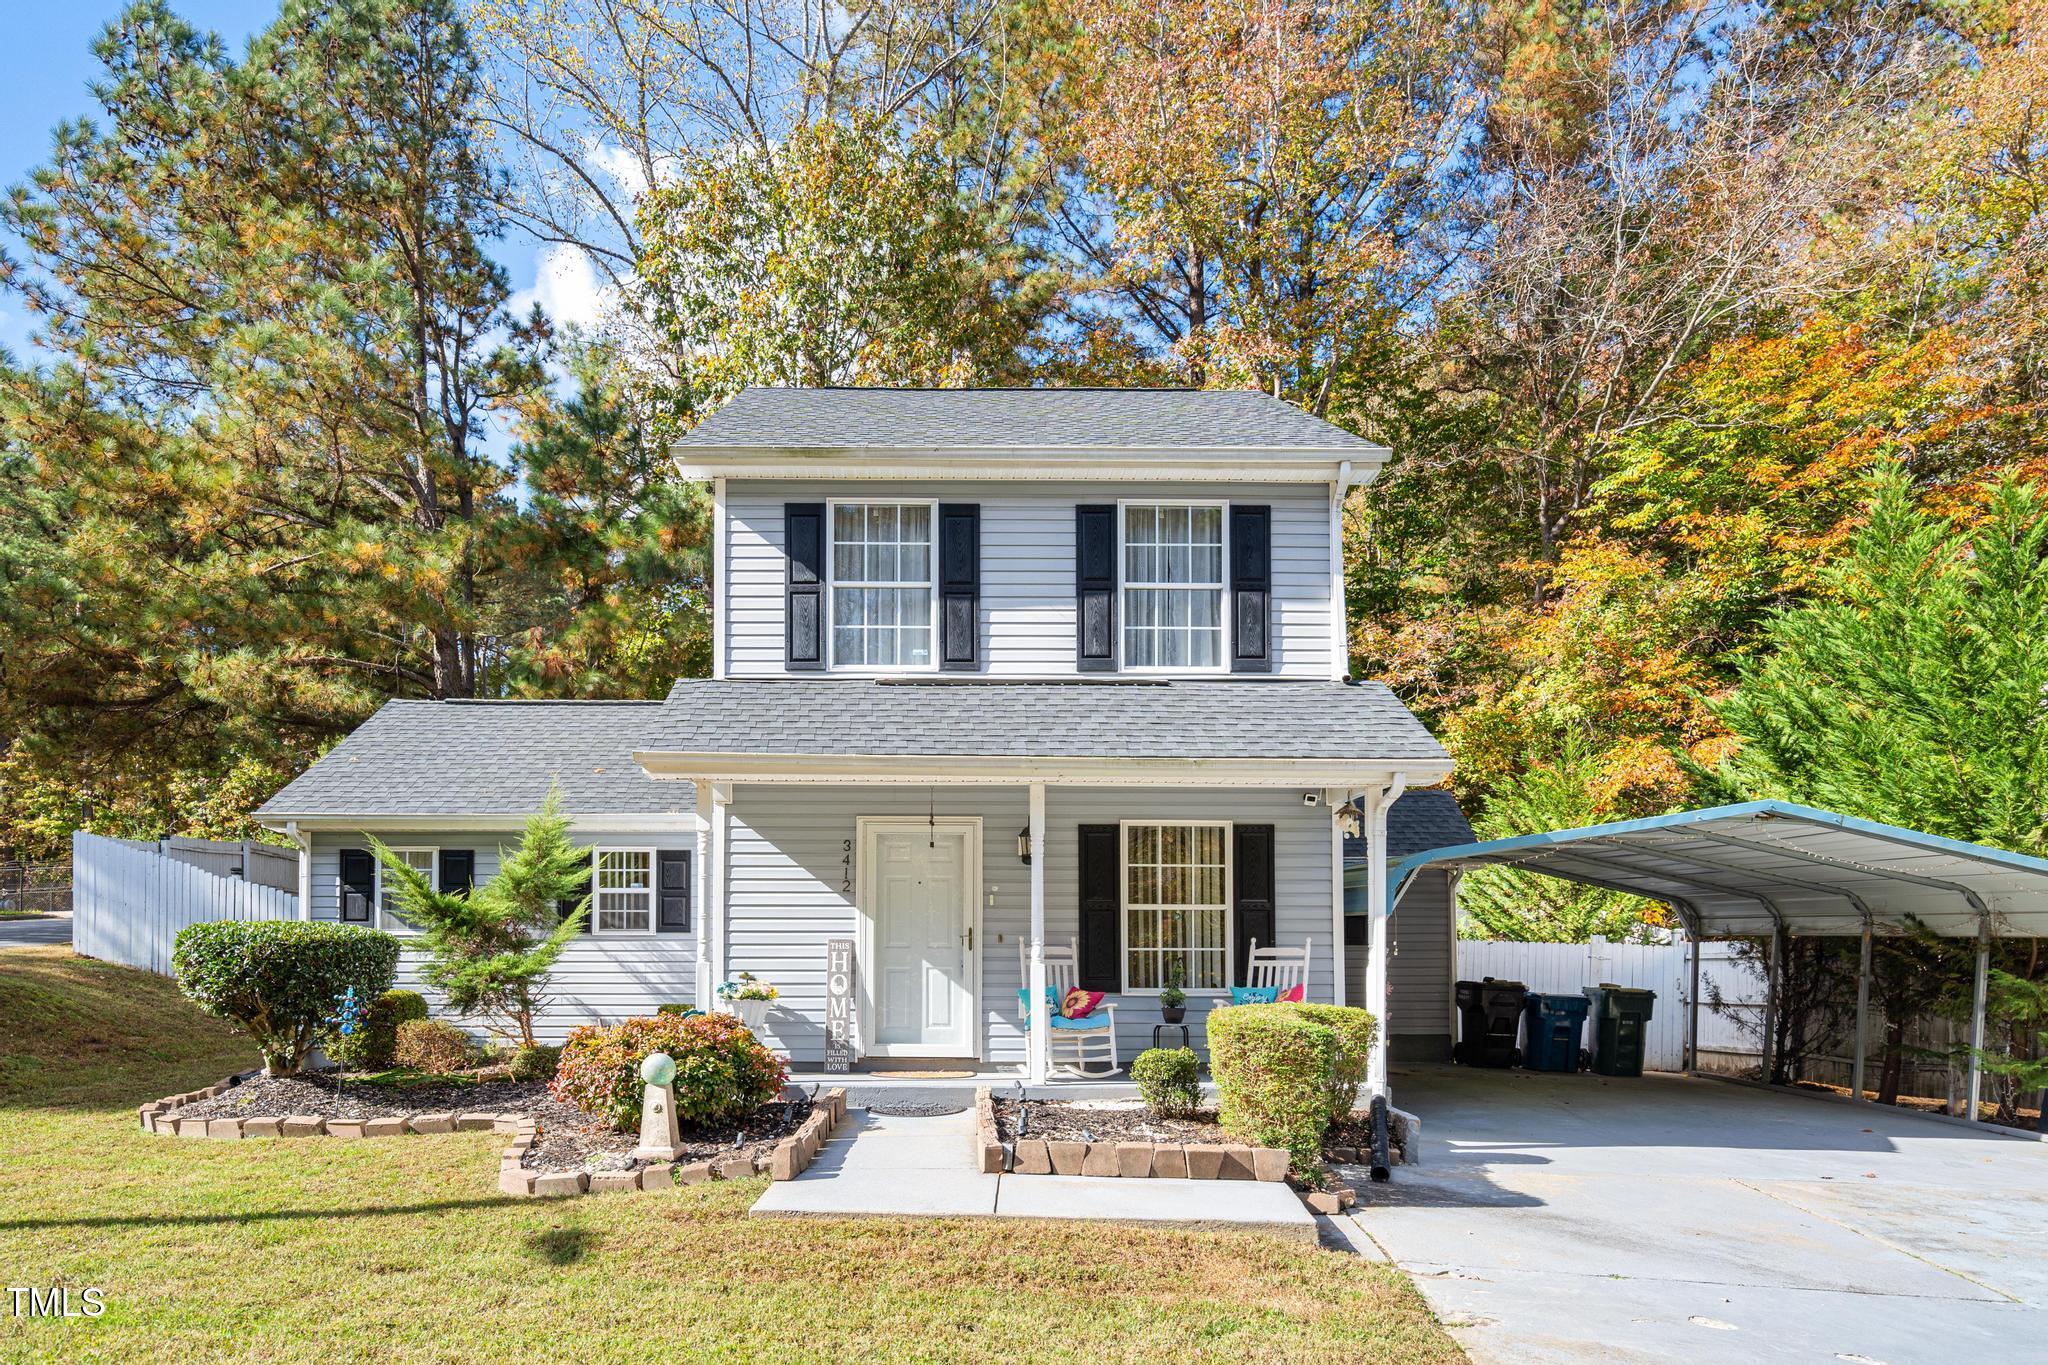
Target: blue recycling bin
(1554,1025)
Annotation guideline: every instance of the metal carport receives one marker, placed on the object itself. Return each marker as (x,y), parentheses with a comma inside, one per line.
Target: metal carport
(1769,869)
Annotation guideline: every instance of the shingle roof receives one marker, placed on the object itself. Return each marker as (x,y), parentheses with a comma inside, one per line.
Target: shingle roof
(1419,822)
(416,758)
(1044,419)
(1164,720)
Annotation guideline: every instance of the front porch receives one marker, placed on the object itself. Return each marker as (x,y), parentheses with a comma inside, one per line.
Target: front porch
(954,903)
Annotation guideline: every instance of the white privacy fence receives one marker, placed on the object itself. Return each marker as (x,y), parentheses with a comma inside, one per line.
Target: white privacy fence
(129,901)
(1566,968)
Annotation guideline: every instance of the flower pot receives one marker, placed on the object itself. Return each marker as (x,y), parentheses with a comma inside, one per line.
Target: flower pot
(1173,1014)
(752,1013)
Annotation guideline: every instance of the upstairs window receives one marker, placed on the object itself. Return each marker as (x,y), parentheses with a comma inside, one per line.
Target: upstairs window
(882,584)
(1173,585)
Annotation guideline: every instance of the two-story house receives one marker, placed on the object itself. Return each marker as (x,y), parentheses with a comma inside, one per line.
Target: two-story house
(997,673)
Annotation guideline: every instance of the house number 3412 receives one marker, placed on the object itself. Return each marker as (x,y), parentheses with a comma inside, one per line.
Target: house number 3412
(846,866)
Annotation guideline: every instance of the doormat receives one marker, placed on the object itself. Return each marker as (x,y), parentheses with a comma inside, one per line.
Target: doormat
(922,1075)
(919,1109)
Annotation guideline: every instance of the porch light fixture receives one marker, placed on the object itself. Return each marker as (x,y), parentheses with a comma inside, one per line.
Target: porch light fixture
(1024,845)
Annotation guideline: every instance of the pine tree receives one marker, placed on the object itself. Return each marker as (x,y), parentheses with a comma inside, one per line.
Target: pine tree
(490,950)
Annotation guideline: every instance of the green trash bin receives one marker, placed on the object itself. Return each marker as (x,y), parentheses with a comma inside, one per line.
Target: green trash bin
(1619,1016)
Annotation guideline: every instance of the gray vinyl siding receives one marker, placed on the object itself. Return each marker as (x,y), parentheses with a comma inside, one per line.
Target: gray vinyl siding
(1027,566)
(600,979)
(1418,971)
(786,898)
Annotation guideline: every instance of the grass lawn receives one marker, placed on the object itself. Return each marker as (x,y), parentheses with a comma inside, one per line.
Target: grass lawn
(402,1249)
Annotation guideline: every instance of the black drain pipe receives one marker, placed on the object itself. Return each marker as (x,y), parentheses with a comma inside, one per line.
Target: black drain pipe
(1382,1164)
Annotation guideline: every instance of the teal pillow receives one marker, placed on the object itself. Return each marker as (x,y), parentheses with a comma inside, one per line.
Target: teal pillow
(1254,995)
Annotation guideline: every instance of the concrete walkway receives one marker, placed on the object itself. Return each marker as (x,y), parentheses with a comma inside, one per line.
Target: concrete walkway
(1577,1218)
(879,1165)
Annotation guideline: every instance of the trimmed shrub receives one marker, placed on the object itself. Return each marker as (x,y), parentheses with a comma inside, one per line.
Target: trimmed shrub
(1274,1069)
(279,980)
(1169,1080)
(536,1063)
(373,1046)
(1354,1029)
(433,1045)
(722,1070)
(671,1008)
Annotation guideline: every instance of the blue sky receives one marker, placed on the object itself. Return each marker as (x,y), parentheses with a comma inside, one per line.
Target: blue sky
(46,64)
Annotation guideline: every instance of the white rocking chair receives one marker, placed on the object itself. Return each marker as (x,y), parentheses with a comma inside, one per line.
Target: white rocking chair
(1281,968)
(1071,1044)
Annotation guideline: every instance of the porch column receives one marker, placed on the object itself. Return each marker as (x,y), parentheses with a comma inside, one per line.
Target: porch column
(1862,1017)
(304,844)
(714,913)
(1337,799)
(1378,802)
(1041,1027)
(701,997)
(1978,992)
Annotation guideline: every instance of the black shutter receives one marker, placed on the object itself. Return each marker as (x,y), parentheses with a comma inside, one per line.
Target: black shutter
(458,869)
(1095,579)
(566,907)
(1252,864)
(959,585)
(803,542)
(674,892)
(1102,920)
(1251,589)
(358,885)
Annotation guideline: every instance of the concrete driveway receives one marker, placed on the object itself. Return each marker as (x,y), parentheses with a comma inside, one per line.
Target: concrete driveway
(1576,1218)
(26,933)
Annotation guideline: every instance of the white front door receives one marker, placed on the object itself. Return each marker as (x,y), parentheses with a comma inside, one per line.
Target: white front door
(922,957)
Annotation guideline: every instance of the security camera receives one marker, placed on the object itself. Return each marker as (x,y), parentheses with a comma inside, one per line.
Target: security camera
(1310,799)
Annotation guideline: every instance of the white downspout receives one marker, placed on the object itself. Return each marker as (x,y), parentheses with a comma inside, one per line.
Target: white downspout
(1379,919)
(1041,1028)
(1978,992)
(1338,800)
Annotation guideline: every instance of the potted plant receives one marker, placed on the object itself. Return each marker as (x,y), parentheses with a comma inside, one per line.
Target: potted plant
(749,997)
(1173,1001)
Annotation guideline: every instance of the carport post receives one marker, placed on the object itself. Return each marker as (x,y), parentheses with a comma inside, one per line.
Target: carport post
(1776,969)
(1862,1017)
(1692,1010)
(1977,995)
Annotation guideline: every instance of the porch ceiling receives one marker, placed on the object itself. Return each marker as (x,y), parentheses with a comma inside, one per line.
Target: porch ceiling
(1749,869)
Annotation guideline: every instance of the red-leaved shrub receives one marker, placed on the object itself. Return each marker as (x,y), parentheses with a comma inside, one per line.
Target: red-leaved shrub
(722,1070)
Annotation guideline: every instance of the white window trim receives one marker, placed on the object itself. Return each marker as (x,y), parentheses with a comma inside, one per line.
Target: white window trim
(1124,906)
(433,879)
(1124,587)
(653,891)
(832,586)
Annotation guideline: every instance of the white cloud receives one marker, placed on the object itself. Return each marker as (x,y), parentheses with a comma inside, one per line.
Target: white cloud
(621,165)
(566,286)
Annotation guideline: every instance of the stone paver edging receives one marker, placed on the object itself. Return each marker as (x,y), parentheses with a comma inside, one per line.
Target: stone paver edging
(1125,1160)
(789,1159)
(160,1117)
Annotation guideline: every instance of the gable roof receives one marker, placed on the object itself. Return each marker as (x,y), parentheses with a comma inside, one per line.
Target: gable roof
(747,727)
(836,419)
(497,759)
(1419,821)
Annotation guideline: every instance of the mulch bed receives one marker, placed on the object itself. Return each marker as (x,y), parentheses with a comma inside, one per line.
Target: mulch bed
(1127,1121)
(333,1097)
(570,1140)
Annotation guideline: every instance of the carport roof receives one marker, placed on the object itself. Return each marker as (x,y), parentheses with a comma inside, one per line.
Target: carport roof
(1762,865)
